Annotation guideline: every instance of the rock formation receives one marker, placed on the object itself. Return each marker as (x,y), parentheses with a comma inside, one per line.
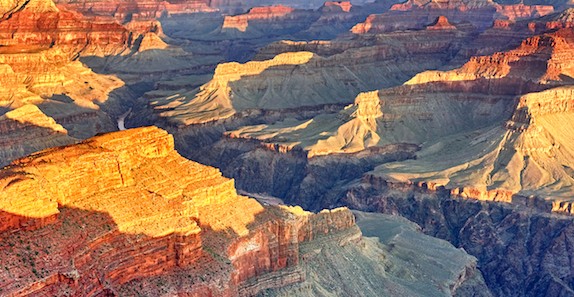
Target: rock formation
(414,14)
(128,10)
(39,25)
(65,90)
(441,23)
(540,59)
(124,212)
(240,22)
(338,5)
(437,109)
(356,129)
(25,130)
(313,81)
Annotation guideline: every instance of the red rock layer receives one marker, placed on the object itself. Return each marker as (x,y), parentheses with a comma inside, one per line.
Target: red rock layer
(441,23)
(124,211)
(269,13)
(415,14)
(32,30)
(539,59)
(521,11)
(127,10)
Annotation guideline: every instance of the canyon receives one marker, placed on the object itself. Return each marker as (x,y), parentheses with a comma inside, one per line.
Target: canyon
(426,144)
(123,213)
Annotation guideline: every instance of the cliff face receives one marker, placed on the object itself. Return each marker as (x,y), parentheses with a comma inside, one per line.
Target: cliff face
(418,14)
(34,27)
(493,130)
(247,89)
(533,243)
(541,58)
(128,10)
(100,215)
(123,213)
(25,130)
(68,92)
(40,47)
(240,22)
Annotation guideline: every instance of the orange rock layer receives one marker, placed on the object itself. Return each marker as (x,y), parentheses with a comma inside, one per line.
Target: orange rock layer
(124,210)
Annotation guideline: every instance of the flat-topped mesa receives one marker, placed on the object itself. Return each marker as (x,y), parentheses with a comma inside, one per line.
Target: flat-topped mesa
(233,71)
(270,13)
(441,23)
(217,99)
(337,6)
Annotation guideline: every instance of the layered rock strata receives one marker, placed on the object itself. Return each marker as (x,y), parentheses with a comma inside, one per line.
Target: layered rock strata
(97,216)
(124,213)
(240,22)
(27,129)
(128,10)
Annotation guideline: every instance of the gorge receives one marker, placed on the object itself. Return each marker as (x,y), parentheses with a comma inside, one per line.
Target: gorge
(421,148)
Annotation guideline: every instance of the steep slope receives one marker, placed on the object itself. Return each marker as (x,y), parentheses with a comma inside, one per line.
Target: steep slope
(40,47)
(65,90)
(543,59)
(25,130)
(303,80)
(241,22)
(355,126)
(123,213)
(38,25)
(532,157)
(458,119)
(398,244)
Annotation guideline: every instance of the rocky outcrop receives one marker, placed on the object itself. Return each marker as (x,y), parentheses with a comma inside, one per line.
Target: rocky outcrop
(397,244)
(521,11)
(337,5)
(539,58)
(270,13)
(534,261)
(122,213)
(34,27)
(64,90)
(85,233)
(441,23)
(25,130)
(261,86)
